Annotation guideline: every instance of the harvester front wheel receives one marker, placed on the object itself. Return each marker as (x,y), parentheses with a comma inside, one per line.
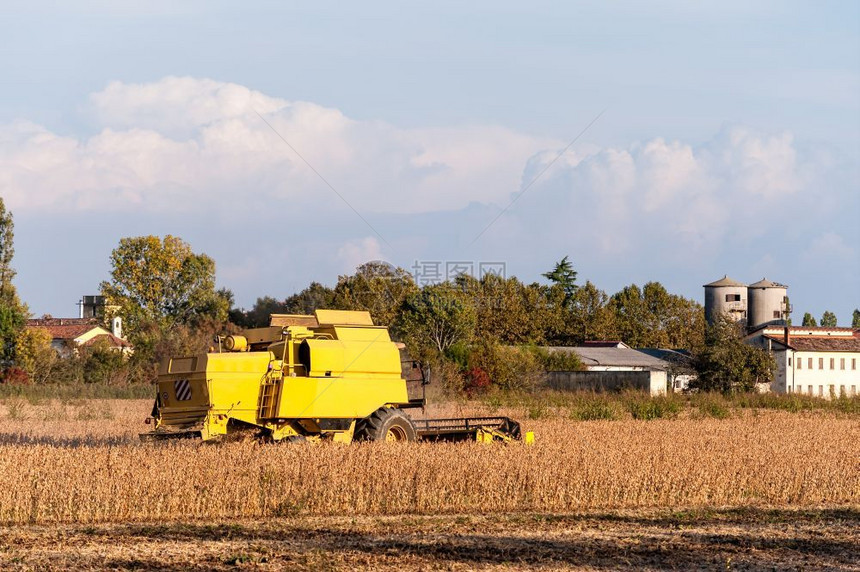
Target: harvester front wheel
(386,424)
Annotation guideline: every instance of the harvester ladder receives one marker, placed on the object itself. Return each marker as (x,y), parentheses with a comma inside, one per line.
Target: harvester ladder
(270,390)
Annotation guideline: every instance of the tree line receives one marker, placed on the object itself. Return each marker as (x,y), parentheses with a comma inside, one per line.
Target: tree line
(476,331)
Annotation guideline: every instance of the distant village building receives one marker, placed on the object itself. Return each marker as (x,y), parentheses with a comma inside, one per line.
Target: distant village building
(614,366)
(810,360)
(68,334)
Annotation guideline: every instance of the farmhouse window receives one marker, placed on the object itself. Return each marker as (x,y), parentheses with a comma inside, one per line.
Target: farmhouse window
(832,363)
(842,363)
(821,363)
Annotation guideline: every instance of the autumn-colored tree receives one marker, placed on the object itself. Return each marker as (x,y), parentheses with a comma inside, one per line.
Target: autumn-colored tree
(508,310)
(434,318)
(377,287)
(652,317)
(590,316)
(34,354)
(162,282)
(631,316)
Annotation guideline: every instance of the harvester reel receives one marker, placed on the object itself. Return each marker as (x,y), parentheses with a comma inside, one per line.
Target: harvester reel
(386,424)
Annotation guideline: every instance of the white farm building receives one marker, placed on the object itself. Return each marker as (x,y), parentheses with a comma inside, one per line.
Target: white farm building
(812,360)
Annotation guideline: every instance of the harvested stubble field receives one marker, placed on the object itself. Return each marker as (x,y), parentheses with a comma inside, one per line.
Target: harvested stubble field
(75,474)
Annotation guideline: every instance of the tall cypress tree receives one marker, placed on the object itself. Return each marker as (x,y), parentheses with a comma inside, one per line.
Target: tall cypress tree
(12,314)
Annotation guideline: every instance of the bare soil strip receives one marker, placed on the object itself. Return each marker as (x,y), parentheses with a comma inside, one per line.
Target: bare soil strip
(823,538)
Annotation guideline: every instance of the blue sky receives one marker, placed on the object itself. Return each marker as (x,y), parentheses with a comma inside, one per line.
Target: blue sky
(729,140)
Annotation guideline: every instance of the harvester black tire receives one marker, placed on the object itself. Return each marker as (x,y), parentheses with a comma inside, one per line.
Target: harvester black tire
(386,424)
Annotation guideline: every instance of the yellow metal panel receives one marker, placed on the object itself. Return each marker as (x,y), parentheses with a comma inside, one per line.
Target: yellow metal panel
(283,320)
(344,317)
(222,383)
(322,397)
(337,358)
(362,334)
(258,335)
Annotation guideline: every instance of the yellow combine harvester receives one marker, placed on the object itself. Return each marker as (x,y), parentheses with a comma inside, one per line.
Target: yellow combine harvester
(333,375)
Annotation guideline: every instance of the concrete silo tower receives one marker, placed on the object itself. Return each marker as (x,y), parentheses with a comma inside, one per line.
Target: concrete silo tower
(725,297)
(768,304)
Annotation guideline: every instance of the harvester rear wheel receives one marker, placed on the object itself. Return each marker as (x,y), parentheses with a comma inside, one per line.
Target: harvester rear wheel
(386,424)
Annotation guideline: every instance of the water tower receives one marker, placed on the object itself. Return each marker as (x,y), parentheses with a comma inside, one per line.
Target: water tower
(725,297)
(768,304)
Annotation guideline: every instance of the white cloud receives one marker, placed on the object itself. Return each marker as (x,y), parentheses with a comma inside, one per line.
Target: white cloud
(827,248)
(181,144)
(356,252)
(686,197)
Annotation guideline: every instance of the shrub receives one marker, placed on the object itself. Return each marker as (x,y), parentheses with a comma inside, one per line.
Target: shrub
(477,381)
(14,376)
(713,405)
(508,368)
(557,360)
(593,411)
(642,406)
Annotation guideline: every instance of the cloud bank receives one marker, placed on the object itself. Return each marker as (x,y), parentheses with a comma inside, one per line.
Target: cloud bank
(740,201)
(180,143)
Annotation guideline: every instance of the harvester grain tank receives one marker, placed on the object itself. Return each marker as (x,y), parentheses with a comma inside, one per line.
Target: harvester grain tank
(332,376)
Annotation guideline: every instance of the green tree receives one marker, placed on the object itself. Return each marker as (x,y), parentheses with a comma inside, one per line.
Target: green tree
(434,318)
(258,315)
(162,281)
(808,320)
(314,297)
(828,319)
(652,317)
(590,316)
(34,354)
(631,316)
(508,310)
(727,364)
(7,252)
(563,275)
(13,314)
(855,319)
(377,287)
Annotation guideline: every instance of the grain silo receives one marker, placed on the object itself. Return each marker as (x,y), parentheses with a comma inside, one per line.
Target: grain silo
(725,297)
(768,304)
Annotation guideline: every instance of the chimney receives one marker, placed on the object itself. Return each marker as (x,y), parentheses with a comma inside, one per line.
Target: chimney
(116,327)
(785,336)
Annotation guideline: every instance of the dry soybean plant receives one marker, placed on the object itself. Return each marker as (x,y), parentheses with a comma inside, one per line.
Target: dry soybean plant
(92,469)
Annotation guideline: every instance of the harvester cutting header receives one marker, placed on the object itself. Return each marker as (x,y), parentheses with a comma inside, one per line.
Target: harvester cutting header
(333,375)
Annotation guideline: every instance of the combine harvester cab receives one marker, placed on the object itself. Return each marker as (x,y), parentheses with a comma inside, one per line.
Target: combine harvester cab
(331,376)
